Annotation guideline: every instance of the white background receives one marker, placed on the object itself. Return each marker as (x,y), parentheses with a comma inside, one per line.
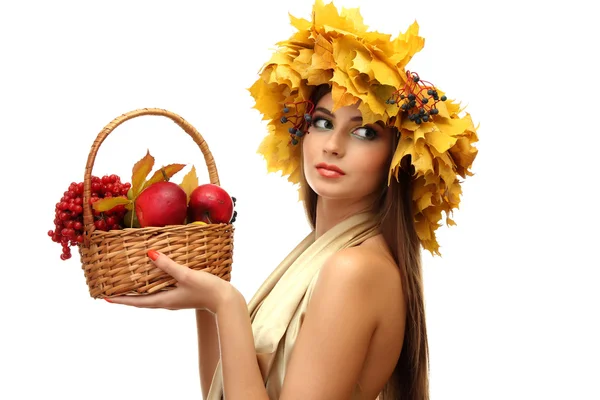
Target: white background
(512,305)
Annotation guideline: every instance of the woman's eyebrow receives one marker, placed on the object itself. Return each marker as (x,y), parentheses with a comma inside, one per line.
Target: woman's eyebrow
(326,111)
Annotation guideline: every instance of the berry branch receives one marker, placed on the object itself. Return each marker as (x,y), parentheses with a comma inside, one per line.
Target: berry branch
(299,119)
(420,107)
(68,212)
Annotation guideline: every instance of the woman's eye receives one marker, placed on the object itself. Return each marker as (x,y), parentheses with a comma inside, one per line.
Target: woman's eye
(322,123)
(366,133)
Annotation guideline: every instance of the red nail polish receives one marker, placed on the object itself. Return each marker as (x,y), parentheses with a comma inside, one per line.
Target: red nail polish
(107,299)
(153,255)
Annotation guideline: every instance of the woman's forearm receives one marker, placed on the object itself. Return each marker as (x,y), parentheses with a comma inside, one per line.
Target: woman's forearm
(241,373)
(208,348)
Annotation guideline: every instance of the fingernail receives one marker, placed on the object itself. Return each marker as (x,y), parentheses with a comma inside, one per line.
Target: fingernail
(107,299)
(153,255)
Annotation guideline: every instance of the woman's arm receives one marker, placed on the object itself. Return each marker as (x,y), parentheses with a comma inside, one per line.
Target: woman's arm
(241,374)
(208,348)
(330,349)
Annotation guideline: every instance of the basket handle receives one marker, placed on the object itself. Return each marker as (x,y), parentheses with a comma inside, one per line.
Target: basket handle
(88,219)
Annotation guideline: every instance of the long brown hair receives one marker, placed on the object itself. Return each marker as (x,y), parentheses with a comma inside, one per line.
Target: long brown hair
(410,378)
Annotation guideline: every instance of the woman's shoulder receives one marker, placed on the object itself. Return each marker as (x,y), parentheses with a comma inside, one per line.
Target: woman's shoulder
(368,267)
(371,257)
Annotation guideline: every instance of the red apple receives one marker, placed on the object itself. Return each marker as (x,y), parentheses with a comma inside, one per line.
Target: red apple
(210,203)
(161,204)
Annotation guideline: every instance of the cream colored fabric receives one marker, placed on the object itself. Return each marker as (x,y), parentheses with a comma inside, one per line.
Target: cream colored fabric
(278,307)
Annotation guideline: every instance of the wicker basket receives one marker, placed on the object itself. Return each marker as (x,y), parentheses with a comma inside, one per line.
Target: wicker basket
(115,262)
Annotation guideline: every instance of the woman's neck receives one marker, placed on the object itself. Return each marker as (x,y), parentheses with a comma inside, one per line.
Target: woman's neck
(331,212)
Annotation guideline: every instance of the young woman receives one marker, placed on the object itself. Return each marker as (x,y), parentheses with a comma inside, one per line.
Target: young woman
(376,153)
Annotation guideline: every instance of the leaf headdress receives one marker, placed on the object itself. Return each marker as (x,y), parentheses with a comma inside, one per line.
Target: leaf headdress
(336,48)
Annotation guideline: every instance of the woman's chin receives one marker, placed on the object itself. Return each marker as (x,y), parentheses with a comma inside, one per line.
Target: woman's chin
(333,191)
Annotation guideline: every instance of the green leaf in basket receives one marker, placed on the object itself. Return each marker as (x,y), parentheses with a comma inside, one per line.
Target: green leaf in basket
(163,174)
(108,203)
(190,182)
(140,171)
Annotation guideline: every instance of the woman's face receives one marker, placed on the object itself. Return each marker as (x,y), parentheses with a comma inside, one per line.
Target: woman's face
(344,159)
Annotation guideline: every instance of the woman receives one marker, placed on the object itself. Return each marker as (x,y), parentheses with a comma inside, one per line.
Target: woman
(376,152)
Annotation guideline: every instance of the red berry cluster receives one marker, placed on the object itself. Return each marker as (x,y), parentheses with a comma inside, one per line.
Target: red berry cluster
(68,220)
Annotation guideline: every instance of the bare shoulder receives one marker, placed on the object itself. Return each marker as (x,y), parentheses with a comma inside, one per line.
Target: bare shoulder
(369,263)
(367,270)
(350,332)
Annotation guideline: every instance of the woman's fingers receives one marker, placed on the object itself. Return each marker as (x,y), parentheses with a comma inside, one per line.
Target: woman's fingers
(155,300)
(177,271)
(194,289)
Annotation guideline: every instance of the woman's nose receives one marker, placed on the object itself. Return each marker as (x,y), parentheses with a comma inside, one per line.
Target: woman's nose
(335,143)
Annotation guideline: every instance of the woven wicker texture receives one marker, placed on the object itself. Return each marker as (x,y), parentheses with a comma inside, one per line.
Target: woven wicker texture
(115,262)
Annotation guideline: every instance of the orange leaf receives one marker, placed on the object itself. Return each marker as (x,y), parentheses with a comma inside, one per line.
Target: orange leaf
(108,203)
(190,182)
(163,174)
(140,171)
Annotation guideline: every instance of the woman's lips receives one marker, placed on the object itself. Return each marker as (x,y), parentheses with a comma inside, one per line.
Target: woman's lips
(329,168)
(328,173)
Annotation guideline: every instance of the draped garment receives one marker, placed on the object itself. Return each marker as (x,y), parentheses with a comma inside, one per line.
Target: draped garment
(279,305)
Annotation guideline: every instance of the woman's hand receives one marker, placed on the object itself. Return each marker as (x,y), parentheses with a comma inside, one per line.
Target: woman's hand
(195,289)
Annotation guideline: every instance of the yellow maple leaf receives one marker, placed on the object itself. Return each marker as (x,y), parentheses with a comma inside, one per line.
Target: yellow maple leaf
(359,81)
(323,55)
(361,63)
(440,140)
(454,126)
(432,179)
(423,162)
(422,129)
(424,201)
(344,52)
(299,23)
(189,182)
(140,171)
(464,155)
(454,193)
(304,56)
(422,228)
(316,77)
(348,20)
(287,76)
(108,203)
(163,174)
(382,72)
(442,109)
(405,147)
(340,95)
(413,40)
